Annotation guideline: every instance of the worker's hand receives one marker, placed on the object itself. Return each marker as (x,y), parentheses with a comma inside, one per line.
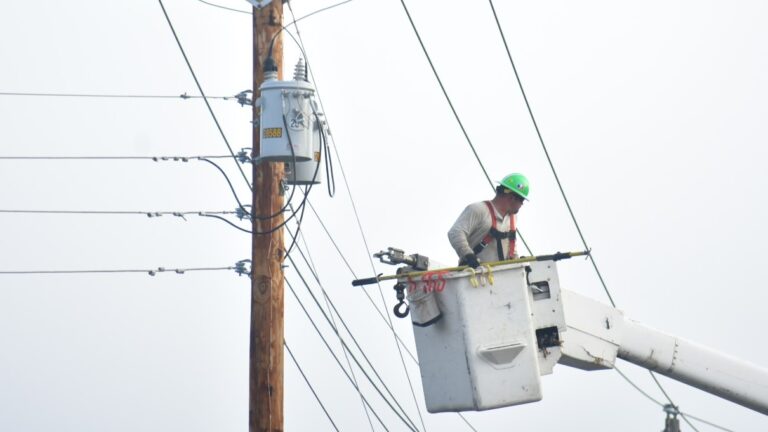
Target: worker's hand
(470,259)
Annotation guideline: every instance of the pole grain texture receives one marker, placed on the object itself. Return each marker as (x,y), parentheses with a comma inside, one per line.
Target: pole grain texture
(267,296)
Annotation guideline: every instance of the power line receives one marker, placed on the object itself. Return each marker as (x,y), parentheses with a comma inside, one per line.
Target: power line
(200,89)
(150,214)
(562,191)
(152,158)
(310,263)
(706,422)
(293,22)
(224,7)
(151,272)
(343,322)
(354,275)
(381,293)
(546,152)
(453,110)
(652,399)
(229,222)
(242,213)
(306,312)
(445,93)
(115,96)
(312,389)
(370,299)
(397,339)
(626,378)
(664,392)
(365,241)
(315,12)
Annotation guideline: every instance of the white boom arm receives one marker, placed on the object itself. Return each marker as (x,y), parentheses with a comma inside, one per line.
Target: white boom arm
(597,334)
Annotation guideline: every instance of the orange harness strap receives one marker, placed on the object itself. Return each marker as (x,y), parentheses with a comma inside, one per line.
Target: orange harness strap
(494,233)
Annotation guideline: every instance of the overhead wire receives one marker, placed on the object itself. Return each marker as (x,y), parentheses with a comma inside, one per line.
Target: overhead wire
(311,265)
(152,158)
(354,275)
(224,7)
(312,389)
(445,93)
(365,242)
(120,212)
(652,399)
(391,326)
(546,152)
(151,272)
(231,188)
(301,47)
(708,423)
(453,110)
(343,322)
(316,11)
(281,210)
(229,222)
(200,89)
(209,214)
(370,299)
(626,378)
(666,395)
(116,96)
(151,214)
(317,329)
(565,198)
(296,20)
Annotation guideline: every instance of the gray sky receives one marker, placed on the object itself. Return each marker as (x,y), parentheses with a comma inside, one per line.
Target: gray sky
(652,113)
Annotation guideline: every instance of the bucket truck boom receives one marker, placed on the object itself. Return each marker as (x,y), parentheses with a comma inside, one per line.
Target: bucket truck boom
(485,336)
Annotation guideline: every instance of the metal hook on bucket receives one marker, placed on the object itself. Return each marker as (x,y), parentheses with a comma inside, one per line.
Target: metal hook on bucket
(400,289)
(397,311)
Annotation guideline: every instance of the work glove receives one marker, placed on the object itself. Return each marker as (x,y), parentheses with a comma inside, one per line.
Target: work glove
(470,259)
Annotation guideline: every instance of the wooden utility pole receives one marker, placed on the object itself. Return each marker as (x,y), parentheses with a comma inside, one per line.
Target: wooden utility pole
(266,342)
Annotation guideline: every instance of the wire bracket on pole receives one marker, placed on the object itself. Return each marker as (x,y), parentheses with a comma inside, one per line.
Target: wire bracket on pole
(242,213)
(243,99)
(242,267)
(243,156)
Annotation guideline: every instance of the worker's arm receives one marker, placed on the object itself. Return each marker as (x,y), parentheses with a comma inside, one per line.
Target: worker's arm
(461,231)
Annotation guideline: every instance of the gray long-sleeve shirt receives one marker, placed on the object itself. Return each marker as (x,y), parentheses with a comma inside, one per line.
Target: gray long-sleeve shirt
(470,228)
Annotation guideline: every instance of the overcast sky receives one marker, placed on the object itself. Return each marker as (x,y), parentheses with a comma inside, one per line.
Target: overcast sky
(653,114)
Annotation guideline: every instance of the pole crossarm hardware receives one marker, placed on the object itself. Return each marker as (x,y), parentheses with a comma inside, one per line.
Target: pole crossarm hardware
(553,257)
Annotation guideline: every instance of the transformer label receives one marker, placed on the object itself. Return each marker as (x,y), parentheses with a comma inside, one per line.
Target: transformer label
(273,132)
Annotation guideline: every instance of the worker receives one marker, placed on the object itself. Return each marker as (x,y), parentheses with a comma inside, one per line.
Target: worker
(485,231)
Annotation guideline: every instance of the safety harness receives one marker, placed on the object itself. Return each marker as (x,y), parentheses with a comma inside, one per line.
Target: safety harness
(498,235)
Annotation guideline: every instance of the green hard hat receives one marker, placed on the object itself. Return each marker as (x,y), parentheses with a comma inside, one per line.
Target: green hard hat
(516,183)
